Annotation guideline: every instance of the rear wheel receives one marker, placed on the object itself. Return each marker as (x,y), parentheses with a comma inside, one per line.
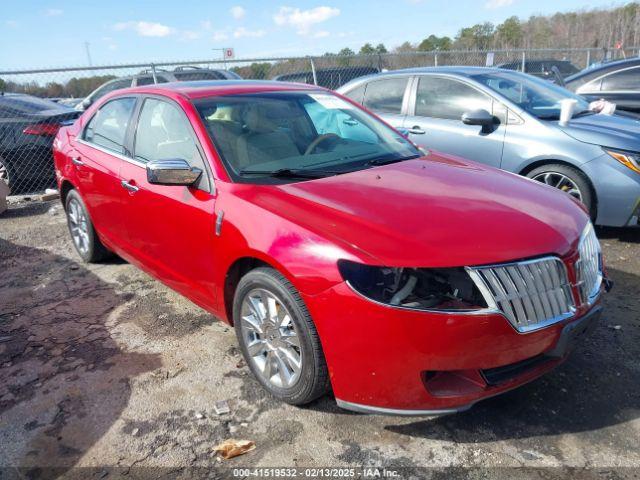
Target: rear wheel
(84,236)
(278,338)
(567,179)
(5,175)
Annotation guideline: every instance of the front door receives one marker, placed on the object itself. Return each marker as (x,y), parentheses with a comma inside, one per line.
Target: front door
(170,228)
(434,120)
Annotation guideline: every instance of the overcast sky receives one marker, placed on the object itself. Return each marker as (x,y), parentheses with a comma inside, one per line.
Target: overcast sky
(40,33)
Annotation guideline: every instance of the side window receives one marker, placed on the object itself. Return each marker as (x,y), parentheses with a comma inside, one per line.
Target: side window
(140,81)
(108,127)
(110,87)
(189,76)
(385,95)
(448,99)
(592,86)
(622,80)
(357,94)
(164,133)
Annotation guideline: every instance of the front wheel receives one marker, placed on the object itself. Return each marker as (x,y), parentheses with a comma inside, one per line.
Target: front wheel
(278,338)
(568,180)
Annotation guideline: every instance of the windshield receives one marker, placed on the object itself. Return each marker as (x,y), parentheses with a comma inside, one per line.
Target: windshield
(297,135)
(538,97)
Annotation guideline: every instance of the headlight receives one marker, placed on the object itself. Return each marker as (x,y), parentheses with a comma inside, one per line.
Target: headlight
(628,159)
(416,288)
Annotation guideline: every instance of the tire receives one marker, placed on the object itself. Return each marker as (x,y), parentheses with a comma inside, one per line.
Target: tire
(6,173)
(277,346)
(552,174)
(83,234)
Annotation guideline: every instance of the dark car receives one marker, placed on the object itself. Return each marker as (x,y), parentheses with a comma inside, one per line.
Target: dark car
(27,127)
(145,77)
(542,68)
(331,78)
(617,82)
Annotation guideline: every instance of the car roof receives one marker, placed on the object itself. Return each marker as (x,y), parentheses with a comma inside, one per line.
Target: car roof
(605,68)
(208,88)
(464,71)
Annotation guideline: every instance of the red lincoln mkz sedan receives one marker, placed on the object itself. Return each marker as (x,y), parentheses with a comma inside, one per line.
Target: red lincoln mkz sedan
(408,282)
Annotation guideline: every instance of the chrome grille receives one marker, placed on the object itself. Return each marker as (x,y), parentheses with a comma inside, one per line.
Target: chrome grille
(531,294)
(589,266)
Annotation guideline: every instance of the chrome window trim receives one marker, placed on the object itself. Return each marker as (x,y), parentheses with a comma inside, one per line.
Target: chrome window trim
(111,152)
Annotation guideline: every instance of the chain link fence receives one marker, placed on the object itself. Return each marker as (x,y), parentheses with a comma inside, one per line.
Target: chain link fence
(34,103)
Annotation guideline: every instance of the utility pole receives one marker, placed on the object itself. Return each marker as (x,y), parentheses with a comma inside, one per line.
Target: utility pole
(86,47)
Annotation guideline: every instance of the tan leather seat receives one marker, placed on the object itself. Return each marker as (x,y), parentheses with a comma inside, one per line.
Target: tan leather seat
(262,141)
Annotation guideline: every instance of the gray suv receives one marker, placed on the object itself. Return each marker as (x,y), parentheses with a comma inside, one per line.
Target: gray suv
(180,74)
(510,120)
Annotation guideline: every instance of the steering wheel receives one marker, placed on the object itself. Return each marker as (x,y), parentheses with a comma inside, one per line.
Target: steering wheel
(318,140)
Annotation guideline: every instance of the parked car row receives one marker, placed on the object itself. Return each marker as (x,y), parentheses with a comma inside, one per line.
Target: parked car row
(27,127)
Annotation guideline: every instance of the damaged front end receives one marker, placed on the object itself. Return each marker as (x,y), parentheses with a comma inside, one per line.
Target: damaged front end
(439,289)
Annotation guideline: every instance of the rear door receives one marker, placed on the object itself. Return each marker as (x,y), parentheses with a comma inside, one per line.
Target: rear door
(434,119)
(170,229)
(386,97)
(100,152)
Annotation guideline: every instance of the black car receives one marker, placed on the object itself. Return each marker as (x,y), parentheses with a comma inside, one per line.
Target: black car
(543,68)
(617,82)
(330,78)
(28,125)
(146,77)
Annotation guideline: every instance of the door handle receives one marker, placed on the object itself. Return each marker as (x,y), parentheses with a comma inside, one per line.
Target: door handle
(128,186)
(77,161)
(416,130)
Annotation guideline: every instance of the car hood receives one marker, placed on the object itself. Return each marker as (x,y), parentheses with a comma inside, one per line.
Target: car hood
(435,211)
(606,130)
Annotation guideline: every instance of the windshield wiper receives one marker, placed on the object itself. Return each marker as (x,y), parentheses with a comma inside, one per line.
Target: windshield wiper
(290,173)
(386,161)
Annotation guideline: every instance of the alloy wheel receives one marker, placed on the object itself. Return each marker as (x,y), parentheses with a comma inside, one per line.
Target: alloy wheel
(4,173)
(561,182)
(271,339)
(78,226)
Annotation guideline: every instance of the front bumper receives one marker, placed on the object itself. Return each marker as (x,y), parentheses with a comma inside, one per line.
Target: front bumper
(617,192)
(402,362)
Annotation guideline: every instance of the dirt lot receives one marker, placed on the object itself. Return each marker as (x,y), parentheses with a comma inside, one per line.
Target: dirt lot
(105,368)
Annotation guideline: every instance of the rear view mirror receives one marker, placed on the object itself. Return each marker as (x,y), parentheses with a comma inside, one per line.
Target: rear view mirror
(479,117)
(172,172)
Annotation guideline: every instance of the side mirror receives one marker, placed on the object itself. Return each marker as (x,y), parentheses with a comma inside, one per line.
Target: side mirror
(480,117)
(172,172)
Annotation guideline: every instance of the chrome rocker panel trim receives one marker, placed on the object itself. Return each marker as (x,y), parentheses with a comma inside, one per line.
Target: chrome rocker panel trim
(356,407)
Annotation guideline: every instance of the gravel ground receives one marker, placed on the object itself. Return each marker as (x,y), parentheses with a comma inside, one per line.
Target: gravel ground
(106,373)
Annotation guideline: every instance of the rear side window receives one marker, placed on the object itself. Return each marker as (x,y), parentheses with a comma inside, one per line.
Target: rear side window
(140,81)
(357,94)
(448,99)
(385,95)
(108,127)
(196,75)
(110,87)
(622,80)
